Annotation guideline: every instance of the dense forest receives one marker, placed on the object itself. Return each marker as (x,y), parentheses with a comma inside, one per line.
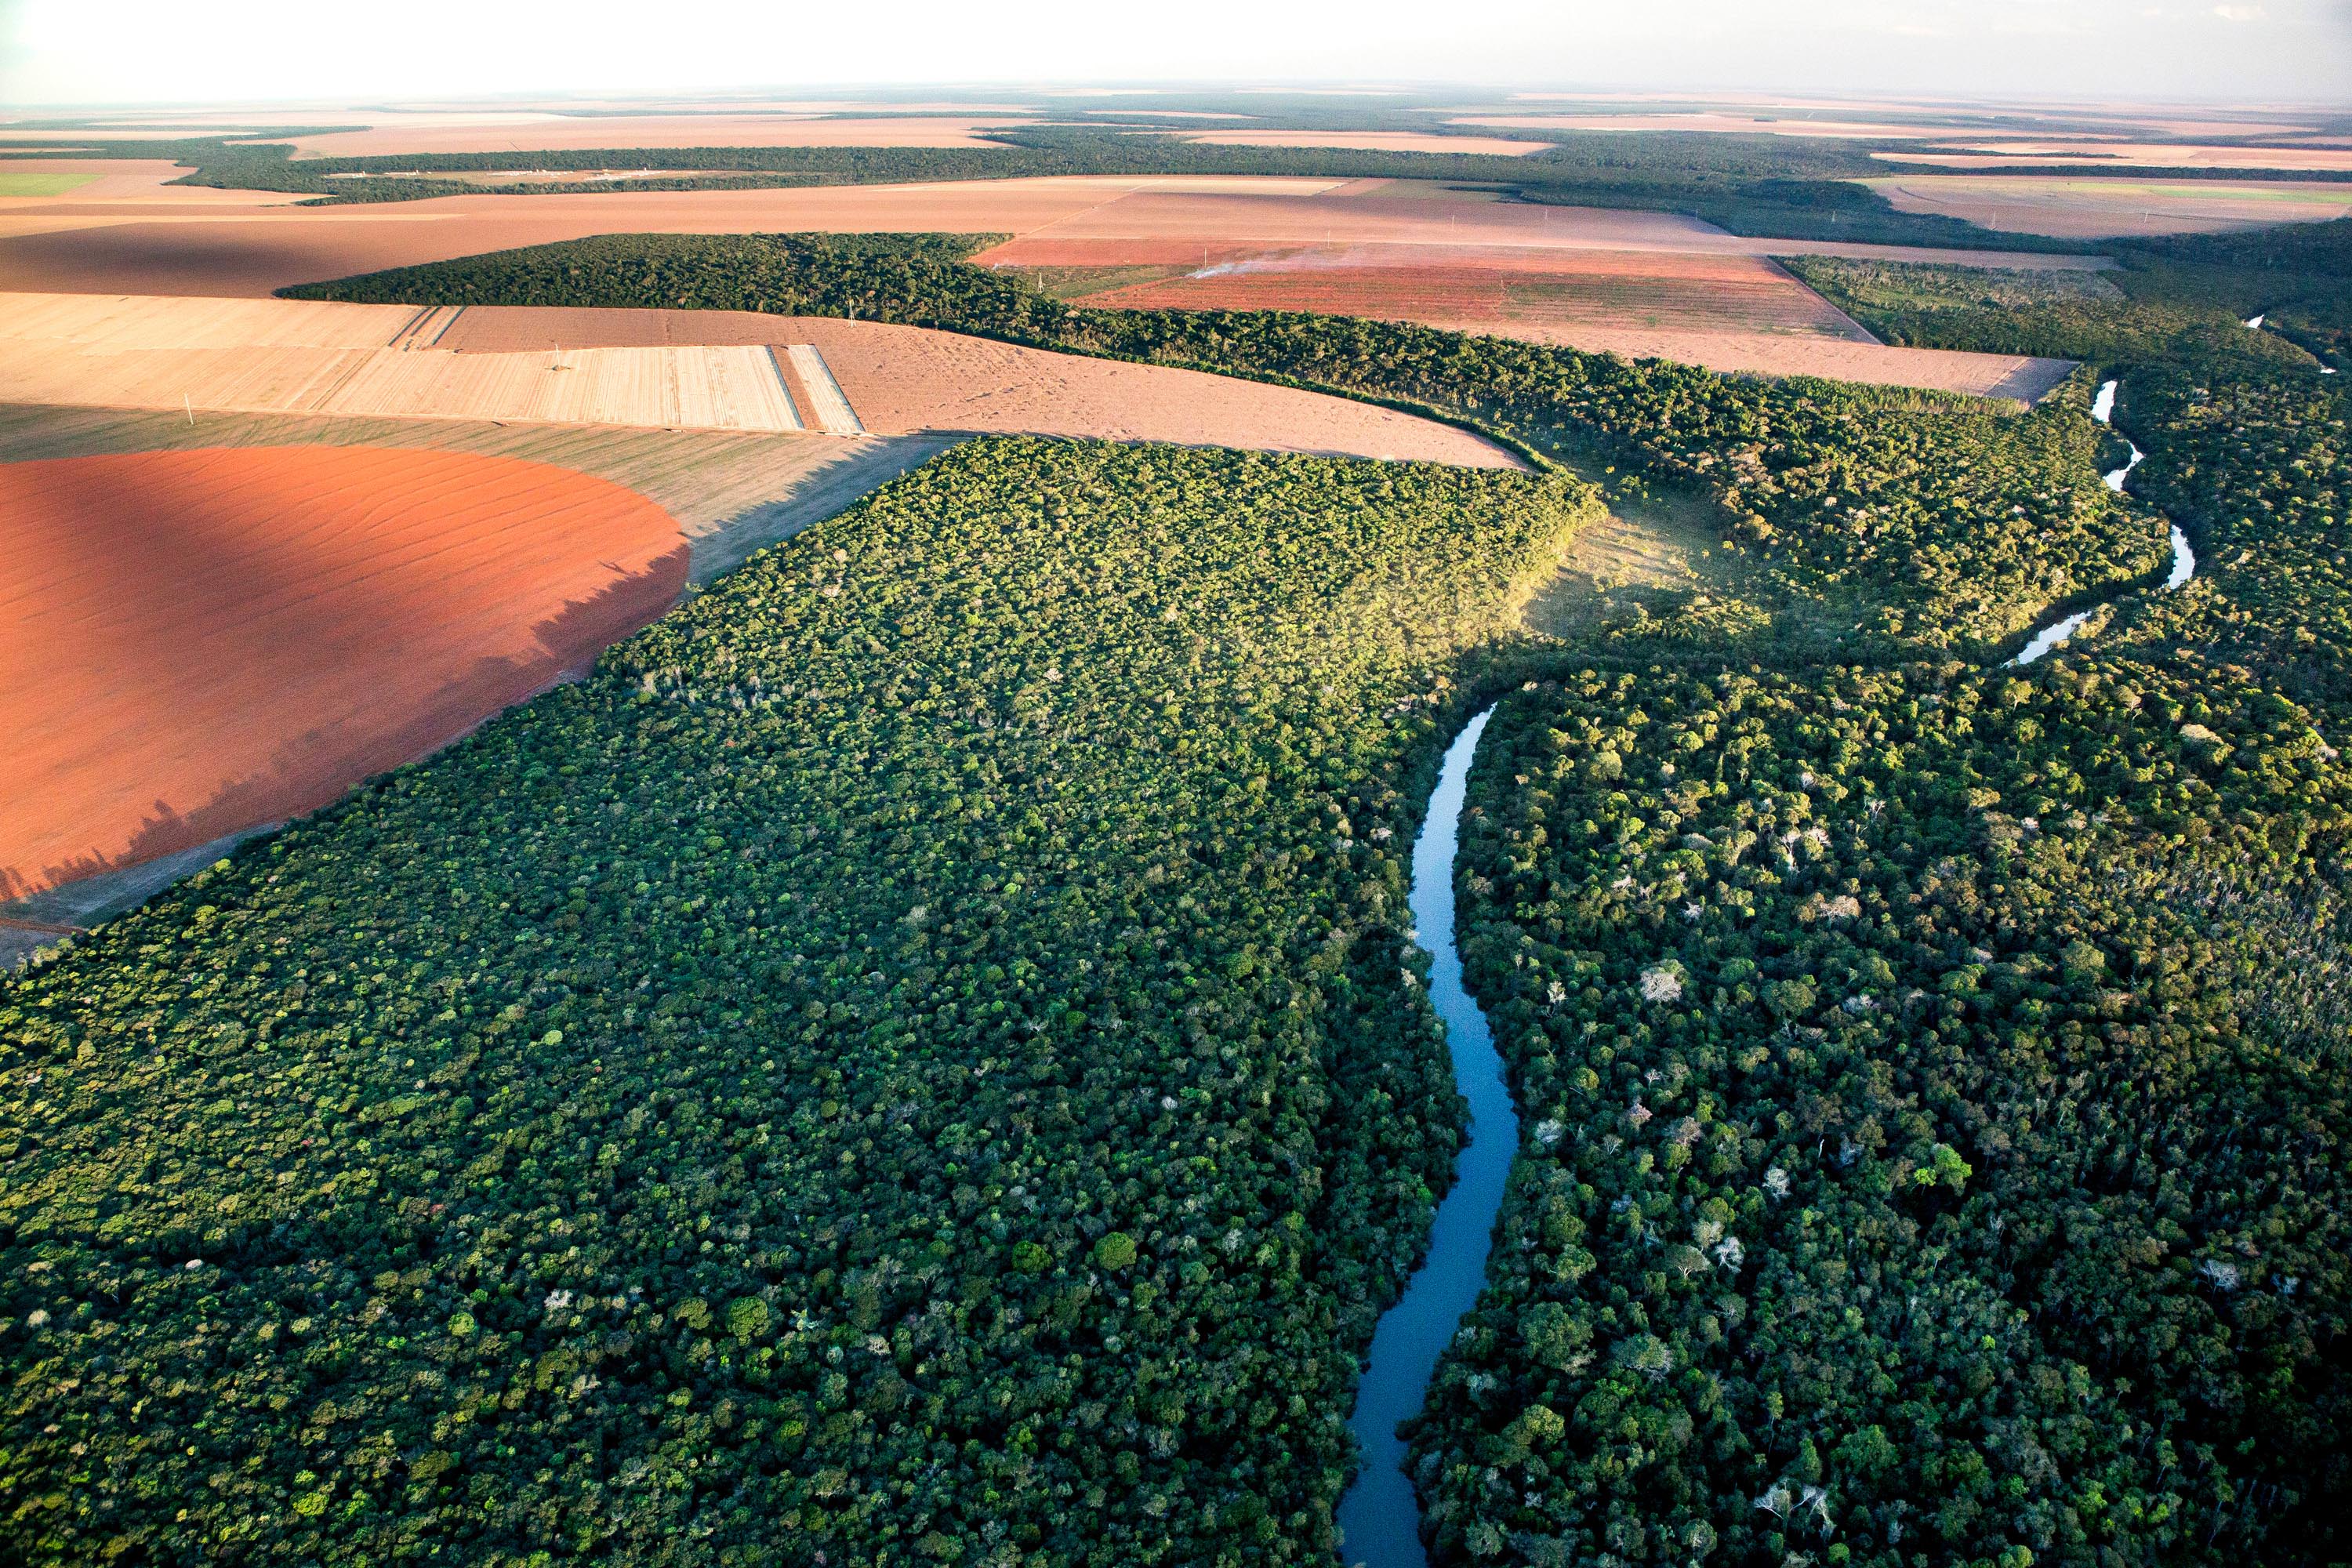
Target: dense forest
(1935,1077)
(915,1058)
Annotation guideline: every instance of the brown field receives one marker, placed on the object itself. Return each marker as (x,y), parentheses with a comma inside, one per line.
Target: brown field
(197,642)
(256,253)
(1738,124)
(1542,296)
(2096,155)
(564,132)
(1370,140)
(1737,314)
(910,379)
(2092,208)
(731,492)
(679,369)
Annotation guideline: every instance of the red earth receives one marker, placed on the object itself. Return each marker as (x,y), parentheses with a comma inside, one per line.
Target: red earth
(198,642)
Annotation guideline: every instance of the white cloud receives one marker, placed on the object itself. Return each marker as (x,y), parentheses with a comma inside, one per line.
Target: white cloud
(2240,13)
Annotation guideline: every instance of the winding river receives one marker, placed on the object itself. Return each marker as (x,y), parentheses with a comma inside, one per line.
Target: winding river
(2184,559)
(1379,1520)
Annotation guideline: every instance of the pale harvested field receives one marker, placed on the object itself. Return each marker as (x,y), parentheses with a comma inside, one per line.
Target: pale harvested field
(731,492)
(709,369)
(2092,208)
(573,132)
(2095,155)
(195,642)
(298,356)
(908,379)
(1370,140)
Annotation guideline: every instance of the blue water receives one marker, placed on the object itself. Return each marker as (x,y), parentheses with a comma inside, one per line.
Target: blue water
(1380,1522)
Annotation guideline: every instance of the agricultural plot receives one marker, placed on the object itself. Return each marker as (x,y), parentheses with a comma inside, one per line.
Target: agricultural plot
(2095,155)
(2092,208)
(293,356)
(554,133)
(197,642)
(1371,140)
(1539,295)
(898,380)
(256,253)
(1739,314)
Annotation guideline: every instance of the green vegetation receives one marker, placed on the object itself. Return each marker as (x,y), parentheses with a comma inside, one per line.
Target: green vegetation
(940,1078)
(915,1058)
(1935,1077)
(1867,518)
(1930,1077)
(20,184)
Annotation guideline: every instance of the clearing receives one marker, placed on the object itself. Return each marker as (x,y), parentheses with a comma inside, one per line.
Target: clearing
(195,642)
(2090,208)
(674,369)
(573,132)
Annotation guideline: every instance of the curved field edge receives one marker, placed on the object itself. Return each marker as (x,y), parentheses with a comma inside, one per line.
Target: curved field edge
(916,1054)
(1866,520)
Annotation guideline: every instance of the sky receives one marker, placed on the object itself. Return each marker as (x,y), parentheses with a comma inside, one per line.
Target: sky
(66,52)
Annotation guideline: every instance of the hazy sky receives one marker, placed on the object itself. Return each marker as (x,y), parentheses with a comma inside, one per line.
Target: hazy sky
(121,51)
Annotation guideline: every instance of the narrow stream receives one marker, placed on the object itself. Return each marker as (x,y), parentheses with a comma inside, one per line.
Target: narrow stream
(1379,1520)
(2184,560)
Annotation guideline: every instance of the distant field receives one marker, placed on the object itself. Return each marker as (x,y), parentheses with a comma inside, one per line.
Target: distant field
(2095,157)
(1732,313)
(13,183)
(553,133)
(2089,207)
(904,379)
(255,253)
(1543,296)
(1371,140)
(195,642)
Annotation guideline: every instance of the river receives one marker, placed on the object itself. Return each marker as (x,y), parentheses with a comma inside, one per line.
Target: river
(1379,1519)
(2184,559)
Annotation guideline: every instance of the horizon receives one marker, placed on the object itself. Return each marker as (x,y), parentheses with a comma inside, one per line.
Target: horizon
(2297,53)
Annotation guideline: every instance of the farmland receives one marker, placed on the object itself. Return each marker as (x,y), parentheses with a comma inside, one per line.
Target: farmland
(2090,208)
(254,631)
(968,735)
(672,369)
(551,132)
(918,1054)
(730,493)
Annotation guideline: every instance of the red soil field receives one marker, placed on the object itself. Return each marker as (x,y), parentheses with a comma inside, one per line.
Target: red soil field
(197,642)
(1518,291)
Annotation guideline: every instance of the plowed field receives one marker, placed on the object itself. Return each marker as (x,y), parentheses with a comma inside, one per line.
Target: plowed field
(1518,291)
(192,643)
(901,379)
